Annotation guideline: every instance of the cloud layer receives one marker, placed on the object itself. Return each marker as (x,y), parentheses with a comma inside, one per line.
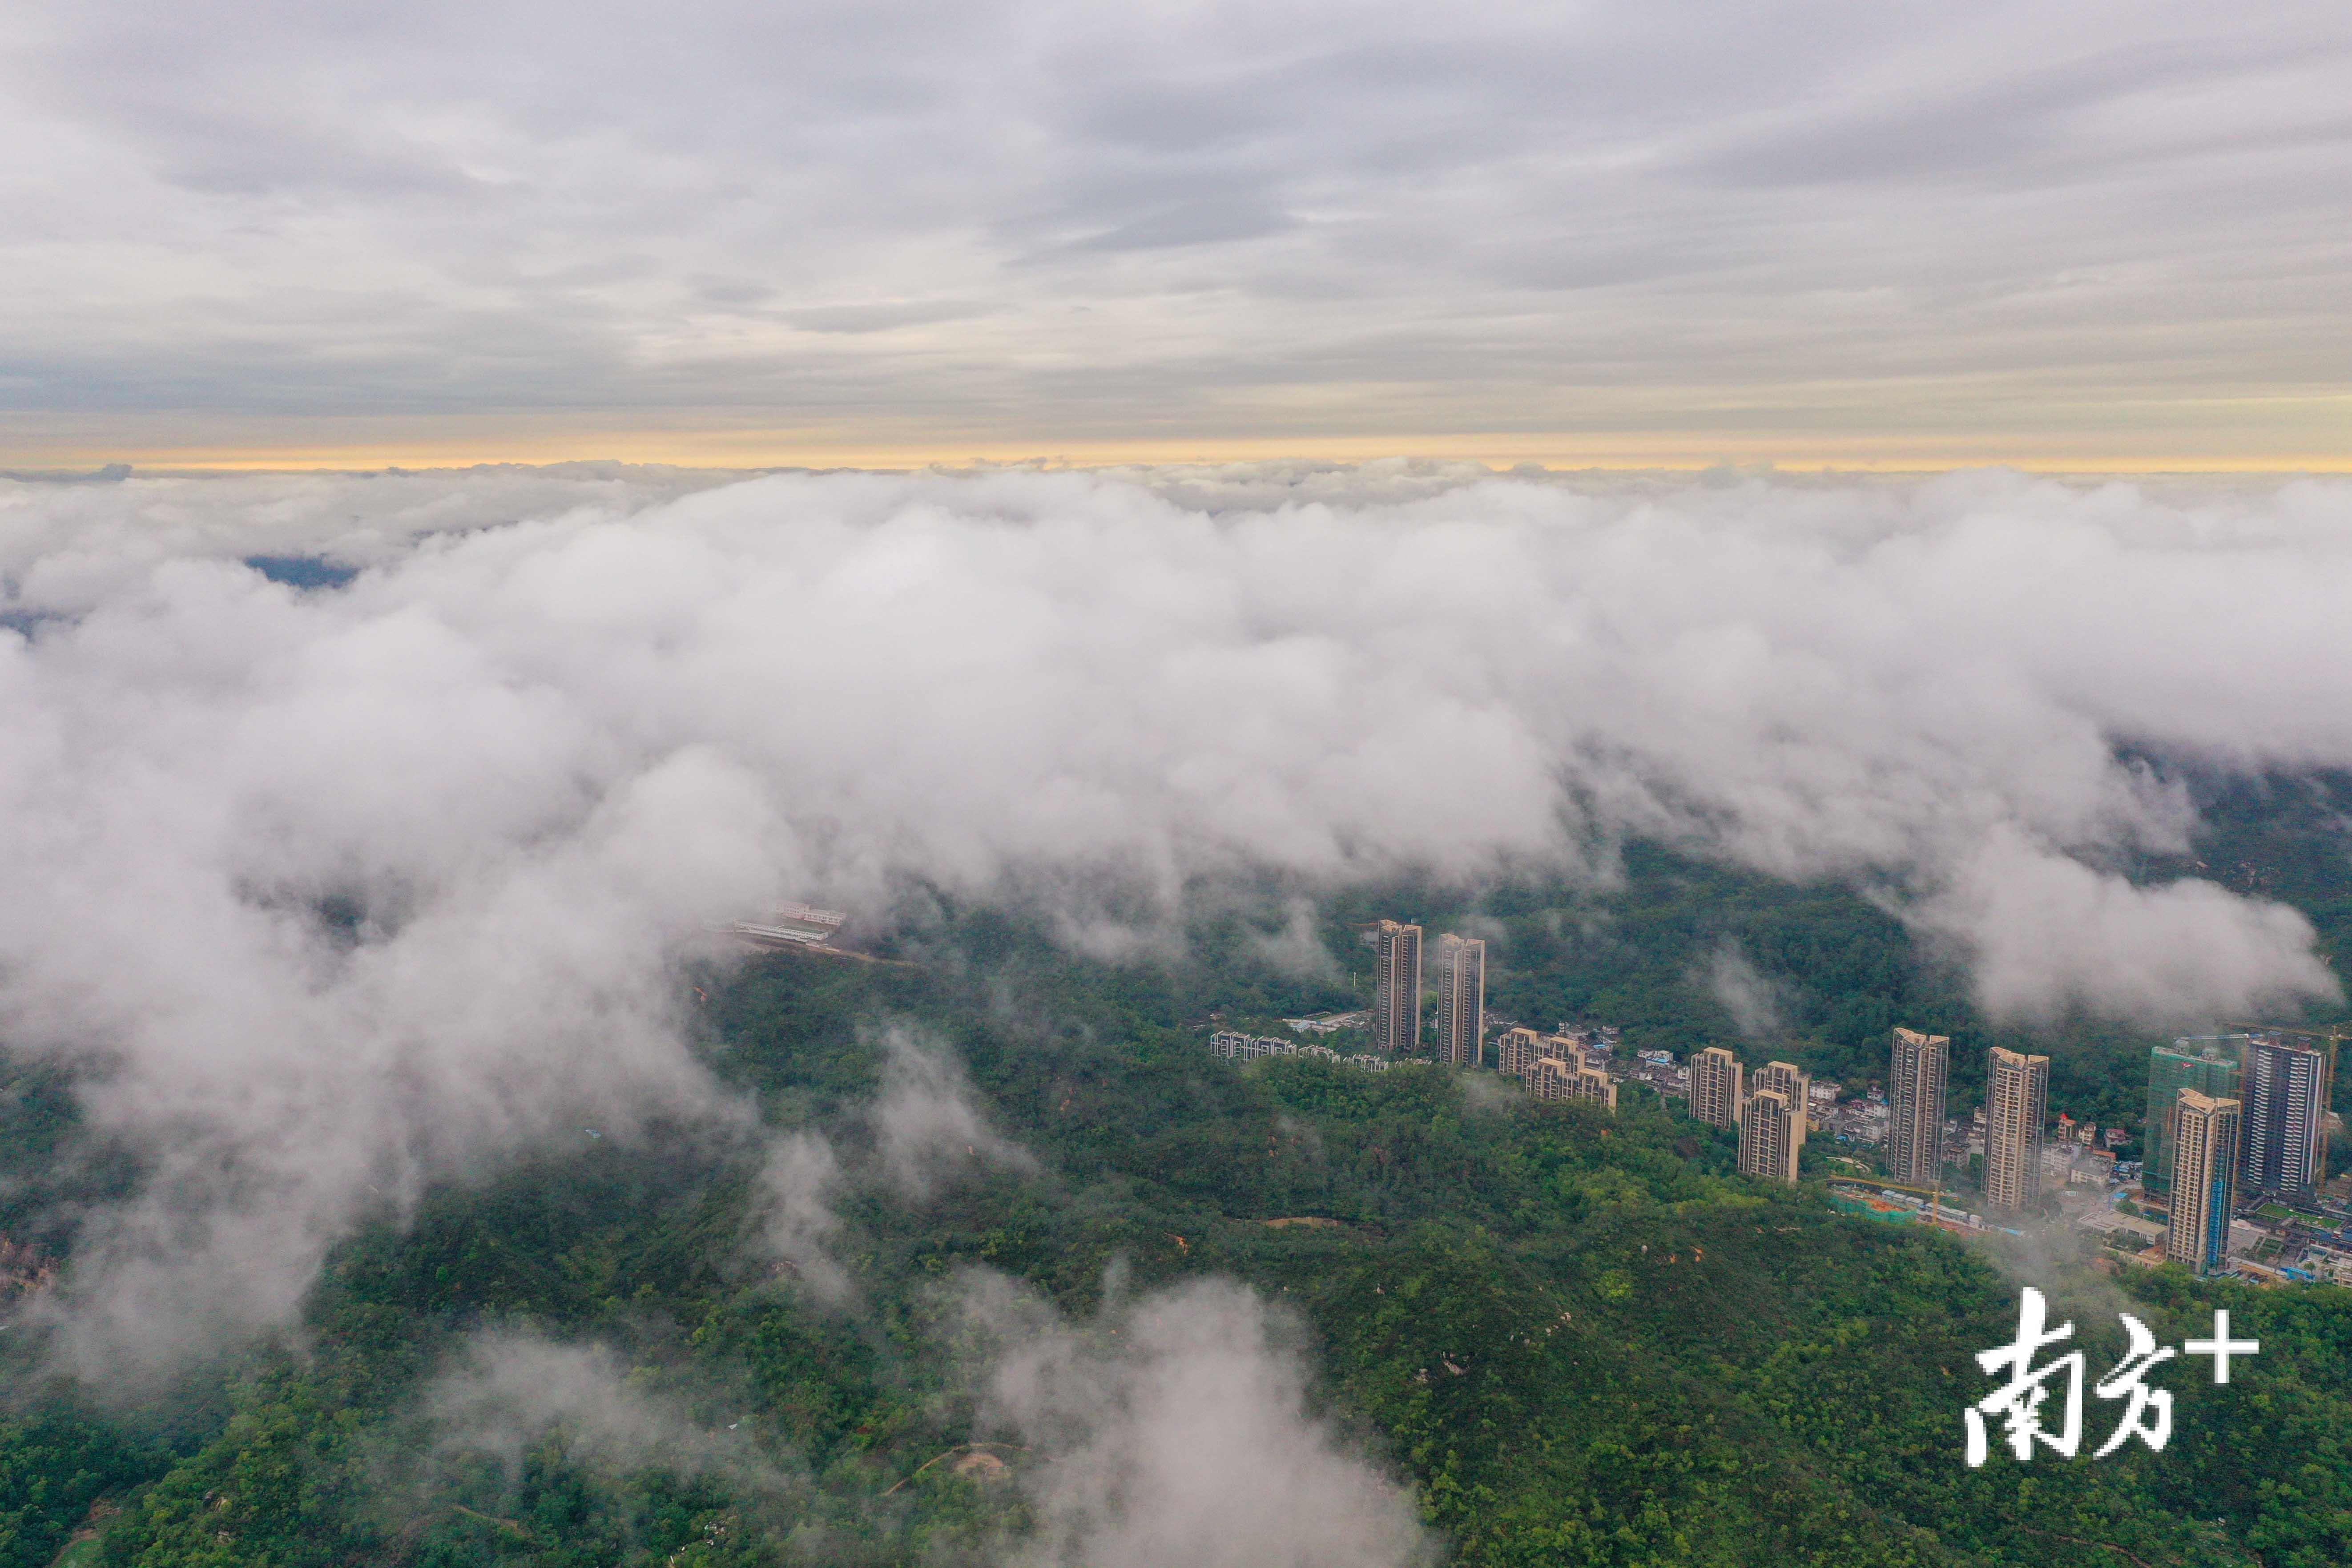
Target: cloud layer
(1172,1431)
(347,889)
(503,1393)
(2111,229)
(921,1131)
(1175,1432)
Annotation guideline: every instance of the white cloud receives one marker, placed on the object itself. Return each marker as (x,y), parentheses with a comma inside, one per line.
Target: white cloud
(927,1128)
(924,1132)
(527,761)
(2044,935)
(800,1177)
(1174,1432)
(506,1394)
(1756,1002)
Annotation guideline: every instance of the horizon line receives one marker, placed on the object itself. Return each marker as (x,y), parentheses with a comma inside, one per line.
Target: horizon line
(193,465)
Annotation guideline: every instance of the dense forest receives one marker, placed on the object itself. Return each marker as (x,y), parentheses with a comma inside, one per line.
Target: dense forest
(1573,1338)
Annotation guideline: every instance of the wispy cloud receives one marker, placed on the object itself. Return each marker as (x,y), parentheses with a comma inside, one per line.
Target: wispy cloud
(1174,1432)
(335,893)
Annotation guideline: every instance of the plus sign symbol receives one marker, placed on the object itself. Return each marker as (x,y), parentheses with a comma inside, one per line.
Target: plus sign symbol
(2221,1347)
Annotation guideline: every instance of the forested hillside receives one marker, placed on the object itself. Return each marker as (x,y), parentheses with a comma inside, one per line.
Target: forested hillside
(1575,1339)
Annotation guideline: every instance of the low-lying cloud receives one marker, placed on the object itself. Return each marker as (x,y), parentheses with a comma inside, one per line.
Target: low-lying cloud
(799,1180)
(1756,1002)
(1175,1432)
(502,1394)
(339,891)
(928,1129)
(922,1130)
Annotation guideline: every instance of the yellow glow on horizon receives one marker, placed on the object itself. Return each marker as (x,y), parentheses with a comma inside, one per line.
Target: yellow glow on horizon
(749,450)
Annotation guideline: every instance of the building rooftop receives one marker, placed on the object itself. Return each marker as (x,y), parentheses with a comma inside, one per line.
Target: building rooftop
(790,925)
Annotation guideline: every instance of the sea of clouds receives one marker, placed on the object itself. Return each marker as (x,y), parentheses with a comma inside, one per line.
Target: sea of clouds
(559,720)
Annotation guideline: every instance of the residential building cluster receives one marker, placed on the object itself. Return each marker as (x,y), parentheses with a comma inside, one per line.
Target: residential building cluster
(1555,1078)
(2234,1147)
(1578,1062)
(1771,1109)
(2233,1153)
(2236,1159)
(1772,1124)
(1239,1048)
(1461,964)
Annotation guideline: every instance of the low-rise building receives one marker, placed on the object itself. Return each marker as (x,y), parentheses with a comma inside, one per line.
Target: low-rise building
(1556,1077)
(1652,1070)
(1237,1047)
(1519,1048)
(2330,1263)
(1516,1049)
(2120,1230)
(1234,1046)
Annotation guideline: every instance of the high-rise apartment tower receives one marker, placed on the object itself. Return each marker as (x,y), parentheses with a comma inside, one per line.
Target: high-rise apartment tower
(1771,1130)
(2204,1164)
(1460,1001)
(2283,1139)
(1915,1107)
(1396,994)
(1714,1087)
(2017,1101)
(2211,1067)
(1789,1081)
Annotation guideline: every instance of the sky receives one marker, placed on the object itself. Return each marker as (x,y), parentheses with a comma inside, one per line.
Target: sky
(325,896)
(2104,236)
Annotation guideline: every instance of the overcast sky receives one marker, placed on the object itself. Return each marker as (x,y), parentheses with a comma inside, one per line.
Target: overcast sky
(749,231)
